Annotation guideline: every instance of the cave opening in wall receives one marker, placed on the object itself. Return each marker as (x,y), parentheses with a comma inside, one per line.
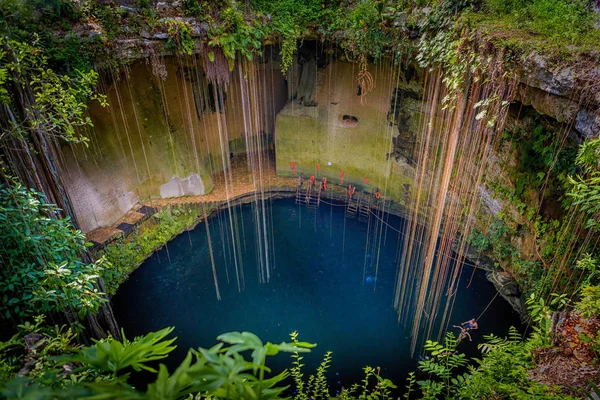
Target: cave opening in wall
(332,280)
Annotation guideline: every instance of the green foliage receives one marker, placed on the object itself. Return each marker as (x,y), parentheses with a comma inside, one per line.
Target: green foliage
(373,386)
(42,270)
(319,387)
(586,196)
(596,392)
(544,162)
(540,315)
(589,304)
(589,266)
(113,356)
(502,372)
(221,372)
(409,385)
(33,354)
(588,156)
(125,255)
(59,101)
(296,371)
(561,20)
(234,35)
(585,190)
(180,37)
(316,386)
(440,366)
(287,19)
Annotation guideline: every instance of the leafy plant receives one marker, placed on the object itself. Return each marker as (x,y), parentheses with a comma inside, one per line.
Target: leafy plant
(113,356)
(58,106)
(123,256)
(373,386)
(180,37)
(316,386)
(219,372)
(442,362)
(42,270)
(589,304)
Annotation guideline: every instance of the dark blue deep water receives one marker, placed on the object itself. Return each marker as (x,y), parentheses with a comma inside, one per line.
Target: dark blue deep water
(316,288)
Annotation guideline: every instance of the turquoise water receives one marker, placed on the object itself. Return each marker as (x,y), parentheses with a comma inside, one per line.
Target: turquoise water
(323,285)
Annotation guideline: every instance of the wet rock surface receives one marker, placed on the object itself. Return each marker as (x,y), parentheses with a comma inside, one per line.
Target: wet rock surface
(509,289)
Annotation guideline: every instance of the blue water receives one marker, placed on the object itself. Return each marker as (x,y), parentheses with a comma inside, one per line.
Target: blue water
(319,287)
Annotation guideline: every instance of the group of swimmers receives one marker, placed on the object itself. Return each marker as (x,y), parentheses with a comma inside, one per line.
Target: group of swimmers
(351,188)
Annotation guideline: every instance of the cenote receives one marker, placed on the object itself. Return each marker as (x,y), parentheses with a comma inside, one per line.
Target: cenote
(323,285)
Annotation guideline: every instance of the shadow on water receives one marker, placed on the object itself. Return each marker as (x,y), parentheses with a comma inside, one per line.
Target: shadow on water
(316,288)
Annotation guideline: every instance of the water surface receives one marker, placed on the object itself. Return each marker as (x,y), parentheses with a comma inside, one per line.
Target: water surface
(332,281)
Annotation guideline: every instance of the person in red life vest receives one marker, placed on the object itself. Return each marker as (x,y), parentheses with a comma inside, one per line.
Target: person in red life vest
(341,177)
(351,190)
(366,180)
(377,193)
(324,183)
(294,167)
(311,180)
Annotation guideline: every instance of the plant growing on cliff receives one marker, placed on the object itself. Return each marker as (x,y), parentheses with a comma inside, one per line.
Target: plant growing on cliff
(42,270)
(53,104)
(585,190)
(589,304)
(235,35)
(180,38)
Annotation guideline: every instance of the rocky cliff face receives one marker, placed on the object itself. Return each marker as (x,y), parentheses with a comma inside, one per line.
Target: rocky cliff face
(568,94)
(161,136)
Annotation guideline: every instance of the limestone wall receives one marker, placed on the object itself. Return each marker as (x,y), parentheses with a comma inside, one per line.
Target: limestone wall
(159,138)
(337,132)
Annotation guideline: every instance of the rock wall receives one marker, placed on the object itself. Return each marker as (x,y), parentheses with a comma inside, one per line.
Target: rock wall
(326,125)
(567,93)
(160,137)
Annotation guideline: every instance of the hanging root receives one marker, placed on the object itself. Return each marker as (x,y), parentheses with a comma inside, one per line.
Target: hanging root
(364,79)
(159,70)
(215,65)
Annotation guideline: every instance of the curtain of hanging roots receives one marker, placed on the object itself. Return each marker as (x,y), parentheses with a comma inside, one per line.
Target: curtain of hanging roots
(451,153)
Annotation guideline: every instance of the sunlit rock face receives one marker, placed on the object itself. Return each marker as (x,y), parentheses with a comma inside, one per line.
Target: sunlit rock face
(162,135)
(177,187)
(161,138)
(328,123)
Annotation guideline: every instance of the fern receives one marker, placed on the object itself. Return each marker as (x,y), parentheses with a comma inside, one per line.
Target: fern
(409,385)
(320,388)
(113,356)
(296,370)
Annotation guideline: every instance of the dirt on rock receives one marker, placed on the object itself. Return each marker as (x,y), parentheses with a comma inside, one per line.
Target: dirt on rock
(570,361)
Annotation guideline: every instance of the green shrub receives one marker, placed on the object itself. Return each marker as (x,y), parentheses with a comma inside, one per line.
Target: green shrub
(565,20)
(41,270)
(589,305)
(125,255)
